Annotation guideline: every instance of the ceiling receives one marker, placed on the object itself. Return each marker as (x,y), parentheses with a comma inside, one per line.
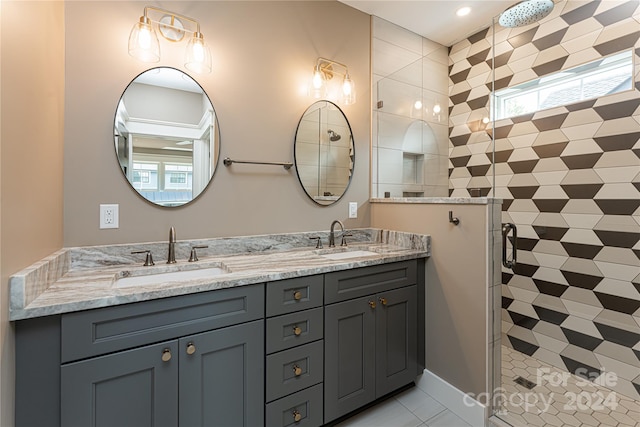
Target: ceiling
(435,19)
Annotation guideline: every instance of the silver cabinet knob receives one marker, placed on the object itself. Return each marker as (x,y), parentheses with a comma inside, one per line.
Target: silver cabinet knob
(297,295)
(296,416)
(297,331)
(166,355)
(191,348)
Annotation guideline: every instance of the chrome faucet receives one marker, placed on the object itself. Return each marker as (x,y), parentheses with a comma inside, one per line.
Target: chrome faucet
(171,258)
(332,235)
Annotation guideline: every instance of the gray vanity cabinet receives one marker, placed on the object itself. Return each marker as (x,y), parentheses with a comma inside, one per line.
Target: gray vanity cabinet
(192,360)
(133,388)
(208,379)
(295,350)
(370,341)
(221,383)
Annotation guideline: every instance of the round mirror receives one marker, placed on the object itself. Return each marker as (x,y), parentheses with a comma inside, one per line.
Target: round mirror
(167,138)
(324,152)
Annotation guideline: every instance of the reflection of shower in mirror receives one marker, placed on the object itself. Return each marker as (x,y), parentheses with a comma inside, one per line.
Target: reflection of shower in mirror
(333,136)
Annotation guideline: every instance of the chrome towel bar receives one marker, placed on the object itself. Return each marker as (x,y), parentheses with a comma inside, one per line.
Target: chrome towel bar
(228,162)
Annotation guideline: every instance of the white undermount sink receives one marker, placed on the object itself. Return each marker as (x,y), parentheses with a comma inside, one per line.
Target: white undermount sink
(349,254)
(172,276)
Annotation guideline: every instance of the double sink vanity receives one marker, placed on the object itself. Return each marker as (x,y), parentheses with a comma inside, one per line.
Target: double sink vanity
(260,330)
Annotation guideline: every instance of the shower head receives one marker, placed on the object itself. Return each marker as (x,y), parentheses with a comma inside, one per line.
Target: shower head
(526,12)
(333,136)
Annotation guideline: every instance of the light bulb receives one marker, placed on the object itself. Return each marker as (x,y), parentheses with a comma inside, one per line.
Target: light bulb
(417,105)
(198,55)
(143,42)
(317,87)
(348,90)
(436,108)
(318,80)
(144,39)
(198,51)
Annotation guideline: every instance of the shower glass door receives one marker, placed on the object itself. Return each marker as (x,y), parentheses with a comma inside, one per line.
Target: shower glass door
(567,169)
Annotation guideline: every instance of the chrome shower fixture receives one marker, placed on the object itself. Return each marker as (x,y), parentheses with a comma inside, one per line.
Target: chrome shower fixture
(333,136)
(526,12)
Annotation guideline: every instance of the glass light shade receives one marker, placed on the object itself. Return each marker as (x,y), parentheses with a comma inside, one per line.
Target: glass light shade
(198,55)
(317,88)
(348,91)
(143,41)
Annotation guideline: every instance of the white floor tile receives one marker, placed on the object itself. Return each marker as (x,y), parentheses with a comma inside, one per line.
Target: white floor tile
(446,419)
(389,413)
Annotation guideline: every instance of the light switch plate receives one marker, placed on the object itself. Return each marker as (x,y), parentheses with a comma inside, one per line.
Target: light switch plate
(109,216)
(353,209)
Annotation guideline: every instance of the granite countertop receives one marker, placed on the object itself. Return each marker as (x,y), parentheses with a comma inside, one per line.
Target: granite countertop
(74,279)
(438,200)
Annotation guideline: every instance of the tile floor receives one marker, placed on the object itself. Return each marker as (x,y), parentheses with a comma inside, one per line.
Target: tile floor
(411,408)
(572,402)
(569,400)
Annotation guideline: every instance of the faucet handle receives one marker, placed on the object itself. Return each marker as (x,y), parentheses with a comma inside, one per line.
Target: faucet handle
(194,256)
(148,260)
(319,243)
(344,241)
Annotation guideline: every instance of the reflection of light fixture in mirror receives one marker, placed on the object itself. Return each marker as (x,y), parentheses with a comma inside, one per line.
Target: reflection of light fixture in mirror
(324,71)
(417,105)
(143,41)
(436,109)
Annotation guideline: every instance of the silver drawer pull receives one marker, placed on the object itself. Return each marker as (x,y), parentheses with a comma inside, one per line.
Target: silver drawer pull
(296,416)
(166,355)
(297,295)
(297,331)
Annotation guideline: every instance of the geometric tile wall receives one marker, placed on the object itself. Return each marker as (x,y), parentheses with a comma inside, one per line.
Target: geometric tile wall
(570,180)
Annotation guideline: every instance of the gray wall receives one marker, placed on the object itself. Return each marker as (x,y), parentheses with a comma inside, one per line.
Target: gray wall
(32,86)
(457,294)
(263,55)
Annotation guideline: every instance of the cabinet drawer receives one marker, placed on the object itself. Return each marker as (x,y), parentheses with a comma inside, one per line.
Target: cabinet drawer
(306,404)
(287,296)
(106,330)
(294,369)
(358,282)
(294,329)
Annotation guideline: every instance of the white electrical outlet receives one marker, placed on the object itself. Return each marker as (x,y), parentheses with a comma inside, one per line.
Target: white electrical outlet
(353,209)
(109,217)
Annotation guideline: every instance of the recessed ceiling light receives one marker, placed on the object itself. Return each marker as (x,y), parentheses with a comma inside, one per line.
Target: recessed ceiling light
(463,11)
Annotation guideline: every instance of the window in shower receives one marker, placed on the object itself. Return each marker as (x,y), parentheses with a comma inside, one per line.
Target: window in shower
(608,75)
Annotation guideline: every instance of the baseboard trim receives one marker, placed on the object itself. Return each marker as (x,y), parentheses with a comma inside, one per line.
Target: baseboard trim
(467,408)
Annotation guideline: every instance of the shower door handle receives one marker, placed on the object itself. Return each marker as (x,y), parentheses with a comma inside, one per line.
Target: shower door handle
(506,228)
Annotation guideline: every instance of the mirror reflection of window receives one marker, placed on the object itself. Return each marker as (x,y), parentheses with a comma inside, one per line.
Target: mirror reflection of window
(166,136)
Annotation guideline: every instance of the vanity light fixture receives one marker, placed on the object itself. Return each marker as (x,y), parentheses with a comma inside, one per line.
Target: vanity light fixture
(323,72)
(144,45)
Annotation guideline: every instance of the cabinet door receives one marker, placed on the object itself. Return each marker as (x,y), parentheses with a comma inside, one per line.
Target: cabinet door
(132,388)
(396,339)
(222,377)
(349,381)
